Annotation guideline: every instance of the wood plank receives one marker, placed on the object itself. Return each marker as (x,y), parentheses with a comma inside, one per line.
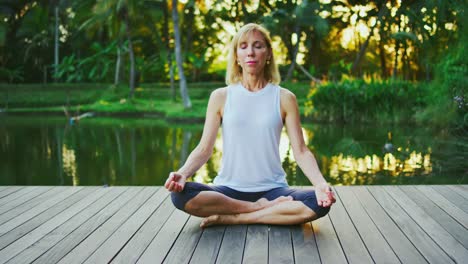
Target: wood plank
(32,205)
(184,246)
(304,245)
(208,246)
(357,232)
(87,247)
(58,251)
(439,215)
(456,213)
(16,195)
(460,190)
(404,249)
(157,251)
(350,240)
(142,239)
(232,246)
(156,235)
(329,246)
(256,244)
(452,196)
(23,199)
(304,241)
(446,241)
(280,248)
(428,248)
(44,244)
(27,221)
(67,209)
(9,191)
(107,250)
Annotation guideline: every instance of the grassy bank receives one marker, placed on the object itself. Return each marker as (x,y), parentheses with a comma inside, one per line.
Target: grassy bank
(343,102)
(105,99)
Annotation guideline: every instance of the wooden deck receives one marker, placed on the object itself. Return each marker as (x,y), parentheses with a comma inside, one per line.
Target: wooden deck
(378,224)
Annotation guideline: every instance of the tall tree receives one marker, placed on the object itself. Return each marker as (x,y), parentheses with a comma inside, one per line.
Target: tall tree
(168,48)
(288,19)
(124,13)
(382,10)
(179,60)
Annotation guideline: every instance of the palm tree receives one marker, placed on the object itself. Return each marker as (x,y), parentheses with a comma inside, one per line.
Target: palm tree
(116,16)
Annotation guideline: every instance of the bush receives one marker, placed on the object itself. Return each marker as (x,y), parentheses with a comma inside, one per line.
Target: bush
(358,101)
(448,100)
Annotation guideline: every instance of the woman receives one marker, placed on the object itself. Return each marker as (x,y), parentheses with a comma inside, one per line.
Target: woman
(251,186)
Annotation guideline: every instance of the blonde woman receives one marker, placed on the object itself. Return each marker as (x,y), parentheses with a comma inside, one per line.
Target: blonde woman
(251,185)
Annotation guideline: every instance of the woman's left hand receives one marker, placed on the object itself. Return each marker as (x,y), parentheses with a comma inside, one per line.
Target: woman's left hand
(325,195)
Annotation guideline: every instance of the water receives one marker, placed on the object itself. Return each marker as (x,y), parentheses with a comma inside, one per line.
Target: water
(105,151)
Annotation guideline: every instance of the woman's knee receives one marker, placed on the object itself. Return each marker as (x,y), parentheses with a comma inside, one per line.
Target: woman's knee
(178,200)
(319,211)
(191,189)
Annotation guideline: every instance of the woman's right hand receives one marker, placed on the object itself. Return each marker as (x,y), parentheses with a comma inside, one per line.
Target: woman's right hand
(175,182)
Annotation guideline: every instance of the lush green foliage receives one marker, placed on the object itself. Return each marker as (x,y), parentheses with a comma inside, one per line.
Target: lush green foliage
(391,38)
(448,97)
(359,101)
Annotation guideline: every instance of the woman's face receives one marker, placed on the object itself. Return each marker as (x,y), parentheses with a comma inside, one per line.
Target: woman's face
(252,53)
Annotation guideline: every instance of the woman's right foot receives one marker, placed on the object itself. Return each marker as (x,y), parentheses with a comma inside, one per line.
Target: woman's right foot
(264,203)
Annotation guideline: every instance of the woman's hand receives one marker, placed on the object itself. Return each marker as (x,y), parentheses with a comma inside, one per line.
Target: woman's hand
(175,182)
(325,195)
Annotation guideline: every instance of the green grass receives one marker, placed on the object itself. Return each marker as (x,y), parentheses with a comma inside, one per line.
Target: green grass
(149,98)
(350,101)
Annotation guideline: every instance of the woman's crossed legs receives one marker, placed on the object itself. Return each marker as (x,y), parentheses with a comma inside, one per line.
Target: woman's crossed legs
(223,205)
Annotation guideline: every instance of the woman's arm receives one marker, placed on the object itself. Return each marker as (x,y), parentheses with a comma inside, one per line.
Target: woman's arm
(204,149)
(304,158)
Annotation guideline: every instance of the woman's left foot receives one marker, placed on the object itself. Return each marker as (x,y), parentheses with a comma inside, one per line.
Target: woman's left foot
(210,220)
(218,220)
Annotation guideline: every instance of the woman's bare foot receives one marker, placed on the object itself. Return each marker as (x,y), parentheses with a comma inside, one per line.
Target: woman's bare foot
(218,220)
(264,203)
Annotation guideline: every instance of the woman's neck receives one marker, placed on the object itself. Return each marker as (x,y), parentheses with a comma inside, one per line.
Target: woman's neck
(254,84)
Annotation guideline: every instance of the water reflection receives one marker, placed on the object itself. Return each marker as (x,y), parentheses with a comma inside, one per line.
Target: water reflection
(140,152)
(349,170)
(69,164)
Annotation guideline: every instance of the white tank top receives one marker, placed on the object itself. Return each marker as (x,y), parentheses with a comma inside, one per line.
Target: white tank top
(251,130)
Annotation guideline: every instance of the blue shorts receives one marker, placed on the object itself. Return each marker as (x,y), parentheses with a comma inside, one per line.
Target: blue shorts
(191,189)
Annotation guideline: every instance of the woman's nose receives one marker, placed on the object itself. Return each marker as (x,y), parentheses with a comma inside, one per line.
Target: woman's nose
(250,51)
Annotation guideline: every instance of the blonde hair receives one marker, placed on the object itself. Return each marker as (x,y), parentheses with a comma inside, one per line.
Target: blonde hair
(234,71)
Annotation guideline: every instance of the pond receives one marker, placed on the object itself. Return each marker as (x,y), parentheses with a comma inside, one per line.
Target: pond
(111,151)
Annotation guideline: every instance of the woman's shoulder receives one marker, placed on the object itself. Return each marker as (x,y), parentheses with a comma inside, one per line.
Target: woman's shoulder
(219,92)
(218,96)
(287,95)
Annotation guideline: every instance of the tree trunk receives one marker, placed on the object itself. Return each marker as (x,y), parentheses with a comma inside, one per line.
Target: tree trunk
(383,61)
(294,55)
(168,47)
(395,63)
(359,56)
(56,42)
(397,48)
(131,56)
(178,53)
(404,57)
(117,65)
(189,22)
